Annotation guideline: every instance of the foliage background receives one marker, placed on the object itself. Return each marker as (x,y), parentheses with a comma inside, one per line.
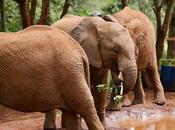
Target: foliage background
(78,7)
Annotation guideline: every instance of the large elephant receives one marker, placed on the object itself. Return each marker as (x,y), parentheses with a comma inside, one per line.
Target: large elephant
(143,35)
(106,45)
(41,69)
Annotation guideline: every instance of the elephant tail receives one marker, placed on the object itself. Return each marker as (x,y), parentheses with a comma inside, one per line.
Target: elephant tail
(86,70)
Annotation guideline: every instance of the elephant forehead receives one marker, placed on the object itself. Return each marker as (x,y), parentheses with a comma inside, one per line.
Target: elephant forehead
(115,28)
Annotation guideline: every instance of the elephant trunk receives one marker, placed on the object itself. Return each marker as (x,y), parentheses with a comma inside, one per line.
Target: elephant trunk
(130,76)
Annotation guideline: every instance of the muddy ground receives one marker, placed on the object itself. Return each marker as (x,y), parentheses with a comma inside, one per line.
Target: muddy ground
(137,117)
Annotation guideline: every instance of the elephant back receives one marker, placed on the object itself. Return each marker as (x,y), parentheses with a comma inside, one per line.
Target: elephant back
(67,23)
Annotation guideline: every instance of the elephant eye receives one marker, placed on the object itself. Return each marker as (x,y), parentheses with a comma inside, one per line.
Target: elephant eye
(116,50)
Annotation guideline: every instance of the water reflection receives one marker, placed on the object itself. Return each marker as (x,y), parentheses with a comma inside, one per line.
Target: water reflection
(164,123)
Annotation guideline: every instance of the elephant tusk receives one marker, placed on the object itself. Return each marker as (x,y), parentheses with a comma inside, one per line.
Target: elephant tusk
(121,88)
(120,76)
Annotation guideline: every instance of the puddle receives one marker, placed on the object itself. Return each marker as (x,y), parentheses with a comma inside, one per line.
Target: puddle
(163,123)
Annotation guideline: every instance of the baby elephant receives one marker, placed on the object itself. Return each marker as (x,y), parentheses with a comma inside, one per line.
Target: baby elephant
(42,69)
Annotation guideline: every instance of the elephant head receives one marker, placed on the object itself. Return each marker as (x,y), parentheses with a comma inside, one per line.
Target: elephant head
(108,44)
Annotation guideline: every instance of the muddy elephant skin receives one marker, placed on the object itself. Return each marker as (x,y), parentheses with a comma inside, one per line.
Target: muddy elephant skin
(103,42)
(41,69)
(143,34)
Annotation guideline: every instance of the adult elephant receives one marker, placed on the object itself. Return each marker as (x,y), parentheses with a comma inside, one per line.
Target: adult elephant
(42,68)
(143,35)
(106,45)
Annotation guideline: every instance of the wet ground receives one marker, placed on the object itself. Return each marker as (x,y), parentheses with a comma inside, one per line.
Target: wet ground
(137,117)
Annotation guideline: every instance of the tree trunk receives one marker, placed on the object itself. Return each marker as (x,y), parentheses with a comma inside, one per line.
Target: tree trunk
(159,46)
(171,44)
(162,29)
(28,11)
(2,16)
(33,11)
(44,12)
(124,3)
(159,42)
(25,13)
(65,8)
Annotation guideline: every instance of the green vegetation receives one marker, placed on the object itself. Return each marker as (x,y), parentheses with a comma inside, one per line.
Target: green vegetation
(164,60)
(13,18)
(118,99)
(101,87)
(78,7)
(168,62)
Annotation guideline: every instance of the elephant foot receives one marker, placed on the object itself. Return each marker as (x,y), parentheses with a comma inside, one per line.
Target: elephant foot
(49,126)
(126,102)
(102,120)
(51,129)
(159,99)
(113,107)
(106,128)
(138,101)
(104,125)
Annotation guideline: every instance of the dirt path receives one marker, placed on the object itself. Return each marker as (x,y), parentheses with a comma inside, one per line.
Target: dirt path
(137,117)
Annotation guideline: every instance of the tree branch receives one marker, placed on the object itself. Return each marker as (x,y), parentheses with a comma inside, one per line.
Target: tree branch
(33,10)
(65,8)
(157,10)
(25,15)
(162,29)
(44,12)
(124,3)
(17,1)
(2,16)
(168,16)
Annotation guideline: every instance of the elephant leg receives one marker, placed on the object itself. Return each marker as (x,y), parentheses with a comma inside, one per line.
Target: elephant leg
(70,120)
(49,123)
(100,103)
(139,94)
(159,96)
(80,100)
(126,101)
(146,80)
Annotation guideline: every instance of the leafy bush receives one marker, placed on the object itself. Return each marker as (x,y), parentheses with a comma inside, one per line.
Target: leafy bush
(115,88)
(13,18)
(167,62)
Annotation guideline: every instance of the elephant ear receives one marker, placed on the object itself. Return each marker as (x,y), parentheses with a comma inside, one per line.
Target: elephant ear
(88,34)
(136,31)
(110,18)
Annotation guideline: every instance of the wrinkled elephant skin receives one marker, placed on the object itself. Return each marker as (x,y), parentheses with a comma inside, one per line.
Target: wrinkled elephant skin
(143,35)
(41,69)
(106,44)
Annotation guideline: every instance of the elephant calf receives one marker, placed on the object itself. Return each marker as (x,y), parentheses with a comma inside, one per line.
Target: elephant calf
(41,69)
(108,46)
(143,35)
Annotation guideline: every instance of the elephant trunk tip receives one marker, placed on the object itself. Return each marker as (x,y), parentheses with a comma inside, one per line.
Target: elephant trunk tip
(130,77)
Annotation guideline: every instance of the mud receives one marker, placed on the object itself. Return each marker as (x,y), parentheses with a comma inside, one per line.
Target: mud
(163,123)
(137,117)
